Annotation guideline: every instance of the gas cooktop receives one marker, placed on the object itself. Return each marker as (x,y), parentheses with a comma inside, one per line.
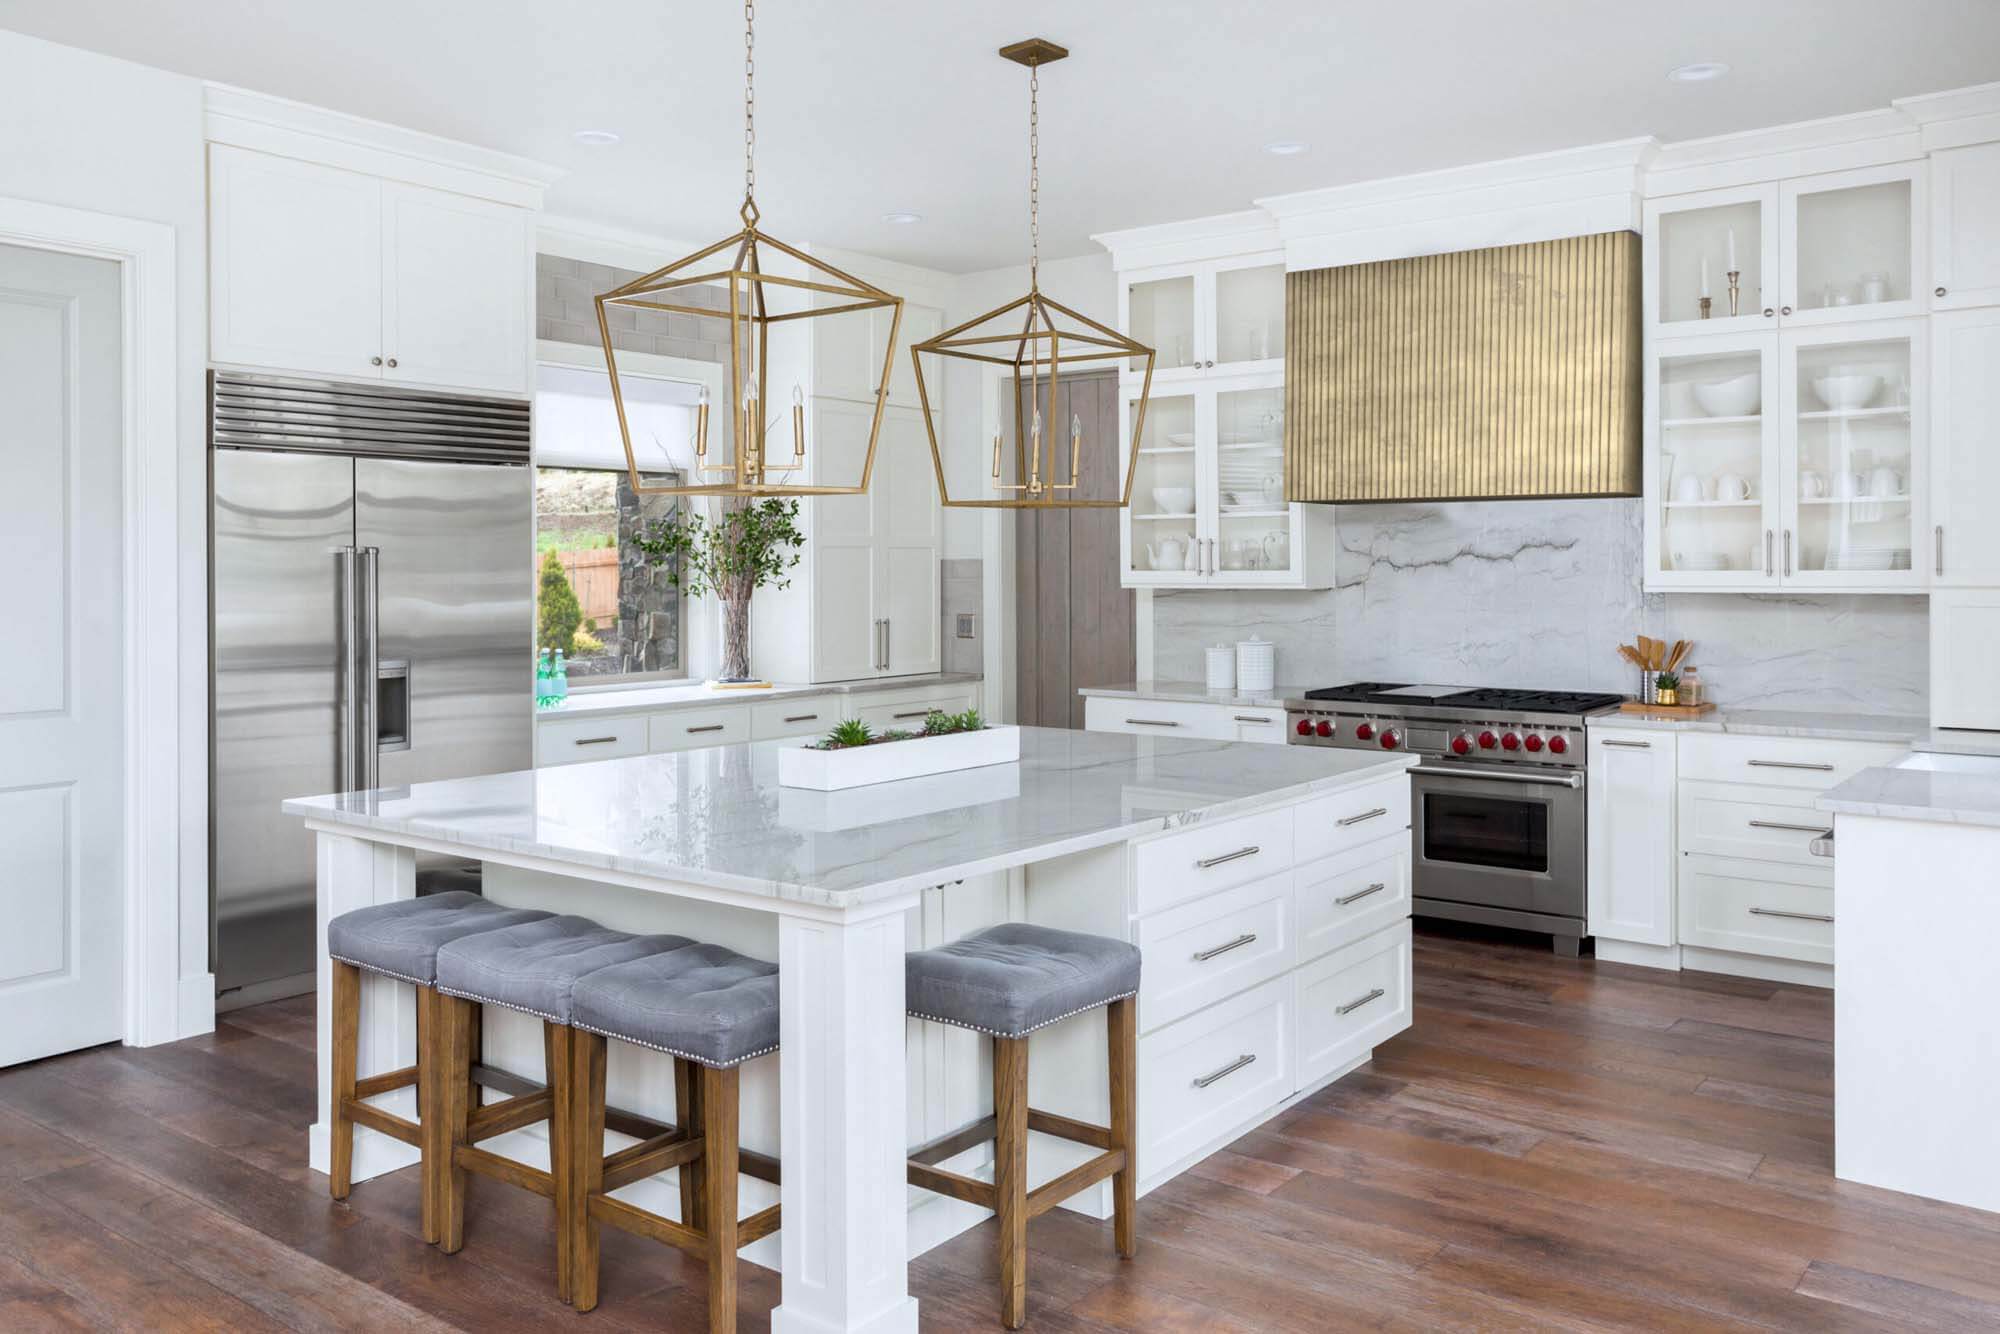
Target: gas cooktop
(1480,698)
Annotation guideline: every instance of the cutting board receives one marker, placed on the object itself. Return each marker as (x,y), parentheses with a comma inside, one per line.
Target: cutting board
(1667,710)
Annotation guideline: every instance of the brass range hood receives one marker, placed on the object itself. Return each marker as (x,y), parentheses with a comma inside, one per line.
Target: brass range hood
(1511,373)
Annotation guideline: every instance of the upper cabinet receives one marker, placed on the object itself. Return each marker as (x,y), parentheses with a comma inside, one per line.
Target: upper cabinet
(1214,317)
(1965,227)
(316,269)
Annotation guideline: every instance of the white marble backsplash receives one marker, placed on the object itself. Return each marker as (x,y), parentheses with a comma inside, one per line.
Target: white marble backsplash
(1539,594)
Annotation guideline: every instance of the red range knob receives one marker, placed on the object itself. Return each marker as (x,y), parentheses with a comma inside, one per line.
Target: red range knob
(1557,745)
(1365,732)
(1488,741)
(1533,743)
(1461,744)
(1391,738)
(1510,742)
(1305,727)
(1324,728)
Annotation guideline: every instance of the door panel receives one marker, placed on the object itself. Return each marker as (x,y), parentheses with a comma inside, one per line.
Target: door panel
(1964,546)
(61,712)
(445,318)
(909,519)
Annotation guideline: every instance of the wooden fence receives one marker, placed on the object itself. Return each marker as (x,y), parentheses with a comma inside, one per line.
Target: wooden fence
(594,576)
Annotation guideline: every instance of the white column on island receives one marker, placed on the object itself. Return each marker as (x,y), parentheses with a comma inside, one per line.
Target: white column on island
(842,1114)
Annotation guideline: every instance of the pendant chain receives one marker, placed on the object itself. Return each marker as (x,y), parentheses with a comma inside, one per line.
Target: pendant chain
(1034,174)
(749,99)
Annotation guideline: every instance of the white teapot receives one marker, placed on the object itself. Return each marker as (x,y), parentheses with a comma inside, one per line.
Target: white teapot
(1169,553)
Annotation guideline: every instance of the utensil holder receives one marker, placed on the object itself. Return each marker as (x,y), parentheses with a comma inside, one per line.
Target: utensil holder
(1649,691)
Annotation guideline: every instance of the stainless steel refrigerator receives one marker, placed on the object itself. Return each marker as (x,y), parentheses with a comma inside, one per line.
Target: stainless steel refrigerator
(372,626)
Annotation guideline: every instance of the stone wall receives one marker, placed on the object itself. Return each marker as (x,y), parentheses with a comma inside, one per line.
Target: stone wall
(648,638)
(566,312)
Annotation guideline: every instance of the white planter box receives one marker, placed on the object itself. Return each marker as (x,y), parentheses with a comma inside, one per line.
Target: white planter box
(889,761)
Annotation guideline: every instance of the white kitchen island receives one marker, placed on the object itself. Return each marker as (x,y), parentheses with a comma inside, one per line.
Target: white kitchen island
(1267,886)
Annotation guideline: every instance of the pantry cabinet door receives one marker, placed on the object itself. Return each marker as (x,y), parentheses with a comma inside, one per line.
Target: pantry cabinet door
(1965,227)
(1629,874)
(457,285)
(1964,545)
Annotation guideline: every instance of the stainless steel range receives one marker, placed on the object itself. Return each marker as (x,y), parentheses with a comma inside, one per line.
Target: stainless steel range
(1497,805)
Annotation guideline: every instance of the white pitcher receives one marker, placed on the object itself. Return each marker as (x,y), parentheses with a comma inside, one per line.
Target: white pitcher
(1166,554)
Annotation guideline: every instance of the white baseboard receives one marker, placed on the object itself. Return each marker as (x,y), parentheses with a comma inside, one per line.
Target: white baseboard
(194,1006)
(1751,965)
(1639,954)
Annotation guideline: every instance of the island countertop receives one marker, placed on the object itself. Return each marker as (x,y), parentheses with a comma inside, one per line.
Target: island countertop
(718,817)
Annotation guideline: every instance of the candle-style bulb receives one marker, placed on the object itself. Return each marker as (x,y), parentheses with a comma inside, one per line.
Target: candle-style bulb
(798,397)
(750,394)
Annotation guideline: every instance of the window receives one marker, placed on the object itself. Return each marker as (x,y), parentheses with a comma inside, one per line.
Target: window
(615,616)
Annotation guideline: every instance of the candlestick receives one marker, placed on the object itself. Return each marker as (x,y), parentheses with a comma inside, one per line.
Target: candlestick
(1733,276)
(798,424)
(1705,303)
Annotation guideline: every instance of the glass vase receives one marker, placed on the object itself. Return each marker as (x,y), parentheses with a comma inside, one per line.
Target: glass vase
(736,639)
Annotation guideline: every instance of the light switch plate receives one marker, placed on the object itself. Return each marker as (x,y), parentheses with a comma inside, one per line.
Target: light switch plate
(964,630)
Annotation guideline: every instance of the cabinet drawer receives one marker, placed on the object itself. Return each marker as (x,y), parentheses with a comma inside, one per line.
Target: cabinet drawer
(1168,717)
(574,740)
(906,711)
(1342,820)
(1762,823)
(1341,899)
(1213,947)
(689,729)
(811,716)
(1352,1000)
(1779,761)
(1203,858)
(1201,1078)
(1757,908)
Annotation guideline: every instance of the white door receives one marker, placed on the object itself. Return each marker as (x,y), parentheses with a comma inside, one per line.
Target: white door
(1965,449)
(61,697)
(452,311)
(1630,867)
(908,526)
(847,626)
(1965,227)
(1965,643)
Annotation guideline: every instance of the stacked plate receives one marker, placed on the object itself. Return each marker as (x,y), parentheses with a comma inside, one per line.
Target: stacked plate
(1701,561)
(1246,482)
(1869,558)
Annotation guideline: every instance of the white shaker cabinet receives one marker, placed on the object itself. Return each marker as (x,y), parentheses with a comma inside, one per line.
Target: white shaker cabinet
(457,289)
(1965,540)
(1629,868)
(1965,227)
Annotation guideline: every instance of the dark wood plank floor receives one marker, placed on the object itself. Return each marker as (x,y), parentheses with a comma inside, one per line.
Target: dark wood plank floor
(1555,1145)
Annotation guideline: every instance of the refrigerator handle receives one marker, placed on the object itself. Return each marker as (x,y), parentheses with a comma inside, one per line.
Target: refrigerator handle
(369,732)
(347,636)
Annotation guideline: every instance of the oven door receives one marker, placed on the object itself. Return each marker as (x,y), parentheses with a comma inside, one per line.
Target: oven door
(1508,838)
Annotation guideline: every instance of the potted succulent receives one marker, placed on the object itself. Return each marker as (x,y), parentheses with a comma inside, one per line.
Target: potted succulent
(1667,688)
(854,755)
(750,545)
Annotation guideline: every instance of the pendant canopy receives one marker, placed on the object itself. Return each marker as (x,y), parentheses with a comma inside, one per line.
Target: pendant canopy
(1037,339)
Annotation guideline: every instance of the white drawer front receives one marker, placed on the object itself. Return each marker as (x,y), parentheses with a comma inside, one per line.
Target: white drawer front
(574,740)
(1164,717)
(1203,858)
(1211,1072)
(1764,823)
(1779,761)
(688,729)
(1344,820)
(1342,899)
(907,711)
(1757,908)
(1352,1000)
(812,716)
(1213,947)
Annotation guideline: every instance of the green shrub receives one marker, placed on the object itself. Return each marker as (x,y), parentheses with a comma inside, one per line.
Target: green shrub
(559,614)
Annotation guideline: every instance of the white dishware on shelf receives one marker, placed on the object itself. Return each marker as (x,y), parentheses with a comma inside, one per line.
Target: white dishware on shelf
(1701,561)
(1844,391)
(1167,553)
(1885,484)
(1273,489)
(1847,485)
(1221,667)
(1256,666)
(1874,288)
(1737,396)
(1732,488)
(1690,489)
(1181,439)
(1174,499)
(1811,485)
(1278,549)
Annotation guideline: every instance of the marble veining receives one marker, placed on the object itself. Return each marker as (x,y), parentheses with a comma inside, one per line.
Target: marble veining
(1538,594)
(1938,796)
(717,817)
(666,698)
(1901,729)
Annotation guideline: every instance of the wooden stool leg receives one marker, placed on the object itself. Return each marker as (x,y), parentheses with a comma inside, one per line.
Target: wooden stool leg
(1010,1174)
(558,1064)
(346,1043)
(1122,1018)
(586,1173)
(687,1110)
(719,1089)
(430,1122)
(451,1093)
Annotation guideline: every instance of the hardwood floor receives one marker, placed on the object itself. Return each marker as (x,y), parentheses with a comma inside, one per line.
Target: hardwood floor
(1555,1145)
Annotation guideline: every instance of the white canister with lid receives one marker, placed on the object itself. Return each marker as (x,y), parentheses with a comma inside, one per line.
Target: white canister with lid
(1221,667)
(1256,666)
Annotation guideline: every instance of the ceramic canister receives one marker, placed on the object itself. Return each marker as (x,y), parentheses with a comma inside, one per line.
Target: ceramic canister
(1256,666)
(1221,667)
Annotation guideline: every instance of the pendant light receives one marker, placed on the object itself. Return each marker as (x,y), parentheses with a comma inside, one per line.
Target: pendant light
(748,466)
(1035,337)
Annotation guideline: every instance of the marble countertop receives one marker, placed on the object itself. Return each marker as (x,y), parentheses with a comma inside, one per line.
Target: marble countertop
(717,817)
(1894,728)
(661,698)
(1948,789)
(1194,692)
(1957,741)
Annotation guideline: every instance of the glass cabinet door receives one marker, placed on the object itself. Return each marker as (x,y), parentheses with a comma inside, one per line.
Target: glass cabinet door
(1713,439)
(1253,524)
(1848,458)
(1850,246)
(1249,316)
(1699,240)
(1162,519)
(1161,314)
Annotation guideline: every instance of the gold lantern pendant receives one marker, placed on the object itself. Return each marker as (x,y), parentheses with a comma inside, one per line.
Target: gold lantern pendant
(1035,337)
(758,300)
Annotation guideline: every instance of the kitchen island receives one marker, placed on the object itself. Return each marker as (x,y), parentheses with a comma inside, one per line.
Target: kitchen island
(1293,861)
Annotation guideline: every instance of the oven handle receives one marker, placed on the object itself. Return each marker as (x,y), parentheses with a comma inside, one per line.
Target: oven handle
(1501,776)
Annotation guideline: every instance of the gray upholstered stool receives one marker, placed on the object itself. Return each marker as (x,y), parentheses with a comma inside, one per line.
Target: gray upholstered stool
(399,940)
(533,968)
(711,1009)
(1006,982)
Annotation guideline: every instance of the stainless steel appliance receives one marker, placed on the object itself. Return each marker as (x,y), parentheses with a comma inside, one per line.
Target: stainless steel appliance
(1497,805)
(372,625)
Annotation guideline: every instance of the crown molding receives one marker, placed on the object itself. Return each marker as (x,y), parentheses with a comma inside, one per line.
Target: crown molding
(1956,118)
(1833,143)
(603,243)
(295,129)
(1192,240)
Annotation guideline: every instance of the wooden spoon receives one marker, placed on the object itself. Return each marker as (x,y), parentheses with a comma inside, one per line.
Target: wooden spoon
(1681,646)
(1631,655)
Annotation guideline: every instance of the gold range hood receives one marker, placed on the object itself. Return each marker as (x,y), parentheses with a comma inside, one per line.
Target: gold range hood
(1511,373)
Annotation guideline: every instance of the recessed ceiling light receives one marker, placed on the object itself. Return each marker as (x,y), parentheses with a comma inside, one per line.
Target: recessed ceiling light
(1285,148)
(1701,71)
(902,218)
(596,138)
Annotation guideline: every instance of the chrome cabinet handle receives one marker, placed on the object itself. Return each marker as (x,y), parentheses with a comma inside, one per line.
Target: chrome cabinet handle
(1821,847)
(1204,863)
(1203,956)
(1225,1071)
(593,740)
(1789,764)
(1788,552)
(1939,292)
(1151,722)
(374,361)
(1365,815)
(1818,829)
(1250,718)
(1358,894)
(1769,569)
(1784,310)
(1768,312)
(1939,533)
(392,363)
(1375,995)
(913,713)
(1794,916)
(801,717)
(1569,780)
(707,727)
(1630,745)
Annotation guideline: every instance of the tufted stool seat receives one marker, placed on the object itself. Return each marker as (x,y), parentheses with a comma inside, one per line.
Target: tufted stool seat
(402,939)
(711,1009)
(1007,982)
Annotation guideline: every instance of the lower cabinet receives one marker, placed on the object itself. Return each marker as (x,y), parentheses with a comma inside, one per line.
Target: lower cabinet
(1351,1000)
(691,729)
(1212,1072)
(1630,853)
(1747,907)
(1184,718)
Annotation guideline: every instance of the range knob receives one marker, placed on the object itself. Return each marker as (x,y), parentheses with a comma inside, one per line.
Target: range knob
(1488,741)
(1461,744)
(1305,727)
(1533,743)
(1510,742)
(1365,732)
(1323,727)
(1391,738)
(1558,745)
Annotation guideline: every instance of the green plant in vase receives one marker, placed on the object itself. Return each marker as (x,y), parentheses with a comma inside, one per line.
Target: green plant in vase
(851,732)
(1667,688)
(749,545)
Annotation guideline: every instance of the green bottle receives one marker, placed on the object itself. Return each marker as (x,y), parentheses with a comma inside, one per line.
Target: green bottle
(543,688)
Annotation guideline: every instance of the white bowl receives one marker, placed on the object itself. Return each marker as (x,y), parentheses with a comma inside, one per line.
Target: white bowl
(1174,499)
(1180,438)
(1738,396)
(1847,391)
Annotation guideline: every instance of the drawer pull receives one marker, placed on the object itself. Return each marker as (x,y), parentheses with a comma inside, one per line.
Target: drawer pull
(1203,956)
(801,717)
(1631,745)
(1351,1006)
(707,727)
(1788,764)
(594,740)
(1795,916)
(1365,815)
(1821,830)
(1360,894)
(1150,722)
(912,713)
(1250,718)
(1225,1071)
(1203,863)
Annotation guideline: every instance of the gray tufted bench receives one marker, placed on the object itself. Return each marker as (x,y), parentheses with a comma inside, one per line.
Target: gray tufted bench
(1007,982)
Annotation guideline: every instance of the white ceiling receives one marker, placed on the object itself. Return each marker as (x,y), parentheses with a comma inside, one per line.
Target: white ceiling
(1161,113)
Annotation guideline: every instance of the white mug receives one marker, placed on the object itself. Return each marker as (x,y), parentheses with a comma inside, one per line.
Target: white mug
(1847,485)
(1690,488)
(1885,484)
(1731,487)
(1811,485)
